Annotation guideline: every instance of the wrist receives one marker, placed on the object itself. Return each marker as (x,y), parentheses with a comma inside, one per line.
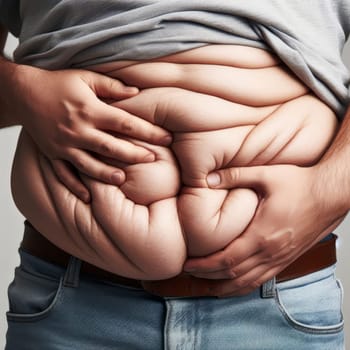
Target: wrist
(329,187)
(333,171)
(11,82)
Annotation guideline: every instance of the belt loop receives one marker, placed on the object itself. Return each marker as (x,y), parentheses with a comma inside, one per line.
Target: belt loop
(71,277)
(268,289)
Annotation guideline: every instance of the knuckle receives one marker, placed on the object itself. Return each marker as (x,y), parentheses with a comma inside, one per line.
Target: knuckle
(254,285)
(233,175)
(153,133)
(263,242)
(241,283)
(114,84)
(289,236)
(64,126)
(126,125)
(69,119)
(272,245)
(79,163)
(84,111)
(271,256)
(228,262)
(268,256)
(231,274)
(74,110)
(105,148)
(64,134)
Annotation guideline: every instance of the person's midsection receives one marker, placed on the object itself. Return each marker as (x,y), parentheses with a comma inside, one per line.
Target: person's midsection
(226,106)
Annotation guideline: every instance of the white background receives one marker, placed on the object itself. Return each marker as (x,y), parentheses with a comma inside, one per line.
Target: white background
(11,226)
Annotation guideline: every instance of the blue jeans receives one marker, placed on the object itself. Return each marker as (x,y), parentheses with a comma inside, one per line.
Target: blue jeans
(53,308)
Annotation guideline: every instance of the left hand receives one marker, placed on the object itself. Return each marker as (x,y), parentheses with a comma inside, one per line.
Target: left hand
(295,211)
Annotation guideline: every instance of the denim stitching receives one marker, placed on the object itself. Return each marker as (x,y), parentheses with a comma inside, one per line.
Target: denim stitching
(17,317)
(304,328)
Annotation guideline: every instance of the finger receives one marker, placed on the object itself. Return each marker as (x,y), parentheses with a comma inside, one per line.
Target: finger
(208,264)
(66,176)
(246,266)
(108,87)
(234,287)
(115,119)
(94,168)
(273,250)
(263,137)
(217,275)
(257,270)
(235,271)
(247,177)
(247,283)
(113,162)
(110,146)
(252,274)
(239,250)
(55,187)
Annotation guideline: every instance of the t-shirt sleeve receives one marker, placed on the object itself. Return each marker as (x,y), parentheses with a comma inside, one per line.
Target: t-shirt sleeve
(9,16)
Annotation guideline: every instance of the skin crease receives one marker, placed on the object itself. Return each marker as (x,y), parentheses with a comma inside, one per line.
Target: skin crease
(317,197)
(134,234)
(67,129)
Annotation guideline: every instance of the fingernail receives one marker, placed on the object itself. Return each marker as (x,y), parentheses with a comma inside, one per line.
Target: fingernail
(117,178)
(213,179)
(131,89)
(150,157)
(166,140)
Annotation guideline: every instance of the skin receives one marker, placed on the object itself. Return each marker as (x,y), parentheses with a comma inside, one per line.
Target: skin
(74,124)
(304,203)
(211,219)
(140,229)
(223,263)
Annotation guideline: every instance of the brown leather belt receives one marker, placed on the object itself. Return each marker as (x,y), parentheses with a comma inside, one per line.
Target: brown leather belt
(320,256)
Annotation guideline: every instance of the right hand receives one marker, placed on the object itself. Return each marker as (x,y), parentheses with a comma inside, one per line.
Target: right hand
(71,125)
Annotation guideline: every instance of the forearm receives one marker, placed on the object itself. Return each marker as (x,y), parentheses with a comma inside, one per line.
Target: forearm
(334,170)
(3,68)
(8,74)
(7,70)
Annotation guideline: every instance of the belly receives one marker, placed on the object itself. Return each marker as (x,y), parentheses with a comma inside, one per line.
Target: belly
(226,106)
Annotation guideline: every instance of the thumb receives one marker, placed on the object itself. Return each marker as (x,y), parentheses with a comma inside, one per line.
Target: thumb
(247,177)
(110,88)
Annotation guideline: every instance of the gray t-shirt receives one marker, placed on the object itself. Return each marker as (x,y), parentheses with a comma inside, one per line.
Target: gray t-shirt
(307,35)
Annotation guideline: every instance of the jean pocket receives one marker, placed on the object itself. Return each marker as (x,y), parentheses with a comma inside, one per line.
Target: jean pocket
(32,297)
(312,303)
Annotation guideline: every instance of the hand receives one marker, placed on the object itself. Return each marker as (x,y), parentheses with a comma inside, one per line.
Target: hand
(64,114)
(294,212)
